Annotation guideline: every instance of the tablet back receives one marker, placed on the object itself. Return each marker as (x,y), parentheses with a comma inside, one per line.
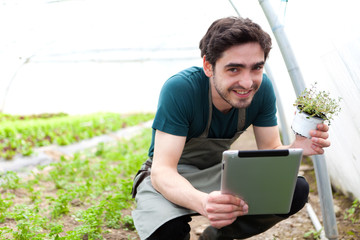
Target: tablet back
(265,179)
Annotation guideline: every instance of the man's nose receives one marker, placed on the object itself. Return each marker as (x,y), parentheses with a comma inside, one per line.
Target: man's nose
(245,80)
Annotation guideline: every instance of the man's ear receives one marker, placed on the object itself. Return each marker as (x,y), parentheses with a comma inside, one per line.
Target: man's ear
(207,67)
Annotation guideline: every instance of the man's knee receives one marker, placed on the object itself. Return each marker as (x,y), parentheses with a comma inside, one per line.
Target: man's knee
(300,198)
(177,229)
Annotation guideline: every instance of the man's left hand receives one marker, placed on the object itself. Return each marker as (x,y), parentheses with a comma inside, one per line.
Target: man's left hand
(318,141)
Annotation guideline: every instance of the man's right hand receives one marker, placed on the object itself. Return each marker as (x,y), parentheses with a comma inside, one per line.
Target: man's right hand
(223,209)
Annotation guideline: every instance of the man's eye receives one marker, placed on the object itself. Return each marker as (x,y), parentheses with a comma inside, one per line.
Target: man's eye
(258,67)
(232,69)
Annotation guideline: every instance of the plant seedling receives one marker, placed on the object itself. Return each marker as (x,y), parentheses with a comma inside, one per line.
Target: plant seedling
(318,104)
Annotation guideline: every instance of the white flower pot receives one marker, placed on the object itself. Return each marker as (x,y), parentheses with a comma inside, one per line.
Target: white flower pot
(303,123)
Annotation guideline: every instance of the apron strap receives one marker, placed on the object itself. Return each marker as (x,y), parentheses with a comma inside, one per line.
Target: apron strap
(241,119)
(206,131)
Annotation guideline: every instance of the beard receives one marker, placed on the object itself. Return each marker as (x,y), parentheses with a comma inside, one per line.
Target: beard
(236,102)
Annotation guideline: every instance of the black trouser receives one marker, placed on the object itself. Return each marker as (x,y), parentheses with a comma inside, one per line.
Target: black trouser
(244,226)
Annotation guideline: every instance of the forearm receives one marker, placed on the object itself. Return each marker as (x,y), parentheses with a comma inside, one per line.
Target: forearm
(297,143)
(178,190)
(285,146)
(268,138)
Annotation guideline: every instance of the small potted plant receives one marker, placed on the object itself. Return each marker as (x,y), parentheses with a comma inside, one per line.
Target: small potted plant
(313,107)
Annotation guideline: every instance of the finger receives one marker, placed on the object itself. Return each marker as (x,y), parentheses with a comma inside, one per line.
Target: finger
(224,216)
(320,142)
(221,223)
(322,127)
(317,149)
(220,220)
(319,134)
(226,208)
(217,198)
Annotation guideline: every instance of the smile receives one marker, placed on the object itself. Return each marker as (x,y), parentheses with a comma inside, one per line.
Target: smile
(242,93)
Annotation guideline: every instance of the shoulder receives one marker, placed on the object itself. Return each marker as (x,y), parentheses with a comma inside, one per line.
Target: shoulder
(264,99)
(182,97)
(266,90)
(262,111)
(266,83)
(191,78)
(186,87)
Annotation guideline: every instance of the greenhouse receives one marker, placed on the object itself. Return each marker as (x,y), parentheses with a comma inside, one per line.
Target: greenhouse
(80,83)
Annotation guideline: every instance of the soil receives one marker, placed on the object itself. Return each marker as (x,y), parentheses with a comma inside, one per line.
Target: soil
(293,228)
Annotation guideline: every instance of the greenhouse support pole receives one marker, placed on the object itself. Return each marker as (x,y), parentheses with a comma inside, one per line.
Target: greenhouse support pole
(322,177)
(282,118)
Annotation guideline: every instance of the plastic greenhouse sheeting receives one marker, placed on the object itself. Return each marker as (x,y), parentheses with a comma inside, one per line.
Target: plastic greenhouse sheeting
(326,41)
(109,55)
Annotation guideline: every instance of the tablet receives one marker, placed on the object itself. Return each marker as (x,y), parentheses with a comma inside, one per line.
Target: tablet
(265,179)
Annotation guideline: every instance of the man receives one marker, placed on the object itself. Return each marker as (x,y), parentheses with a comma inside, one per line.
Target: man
(201,112)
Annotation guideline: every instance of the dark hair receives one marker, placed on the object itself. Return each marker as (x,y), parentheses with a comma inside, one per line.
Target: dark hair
(227,32)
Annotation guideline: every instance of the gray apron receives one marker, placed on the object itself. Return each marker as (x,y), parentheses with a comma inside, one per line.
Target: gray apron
(200,164)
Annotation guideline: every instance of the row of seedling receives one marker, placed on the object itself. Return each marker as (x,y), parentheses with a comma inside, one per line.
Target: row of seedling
(79,197)
(19,136)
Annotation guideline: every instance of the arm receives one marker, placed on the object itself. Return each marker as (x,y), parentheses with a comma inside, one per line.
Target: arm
(269,138)
(164,175)
(220,209)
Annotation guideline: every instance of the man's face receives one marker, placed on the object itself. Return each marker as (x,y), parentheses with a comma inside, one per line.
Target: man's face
(237,76)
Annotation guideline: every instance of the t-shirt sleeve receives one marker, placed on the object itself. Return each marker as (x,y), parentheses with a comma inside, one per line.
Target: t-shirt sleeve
(174,110)
(266,116)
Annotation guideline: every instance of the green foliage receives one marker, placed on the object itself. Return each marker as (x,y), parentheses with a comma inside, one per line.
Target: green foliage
(55,230)
(61,203)
(5,204)
(92,188)
(10,180)
(29,222)
(353,213)
(22,135)
(313,234)
(318,103)
(93,220)
(128,222)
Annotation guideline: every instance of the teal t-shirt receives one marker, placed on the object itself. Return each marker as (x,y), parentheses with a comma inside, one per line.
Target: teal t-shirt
(183,108)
